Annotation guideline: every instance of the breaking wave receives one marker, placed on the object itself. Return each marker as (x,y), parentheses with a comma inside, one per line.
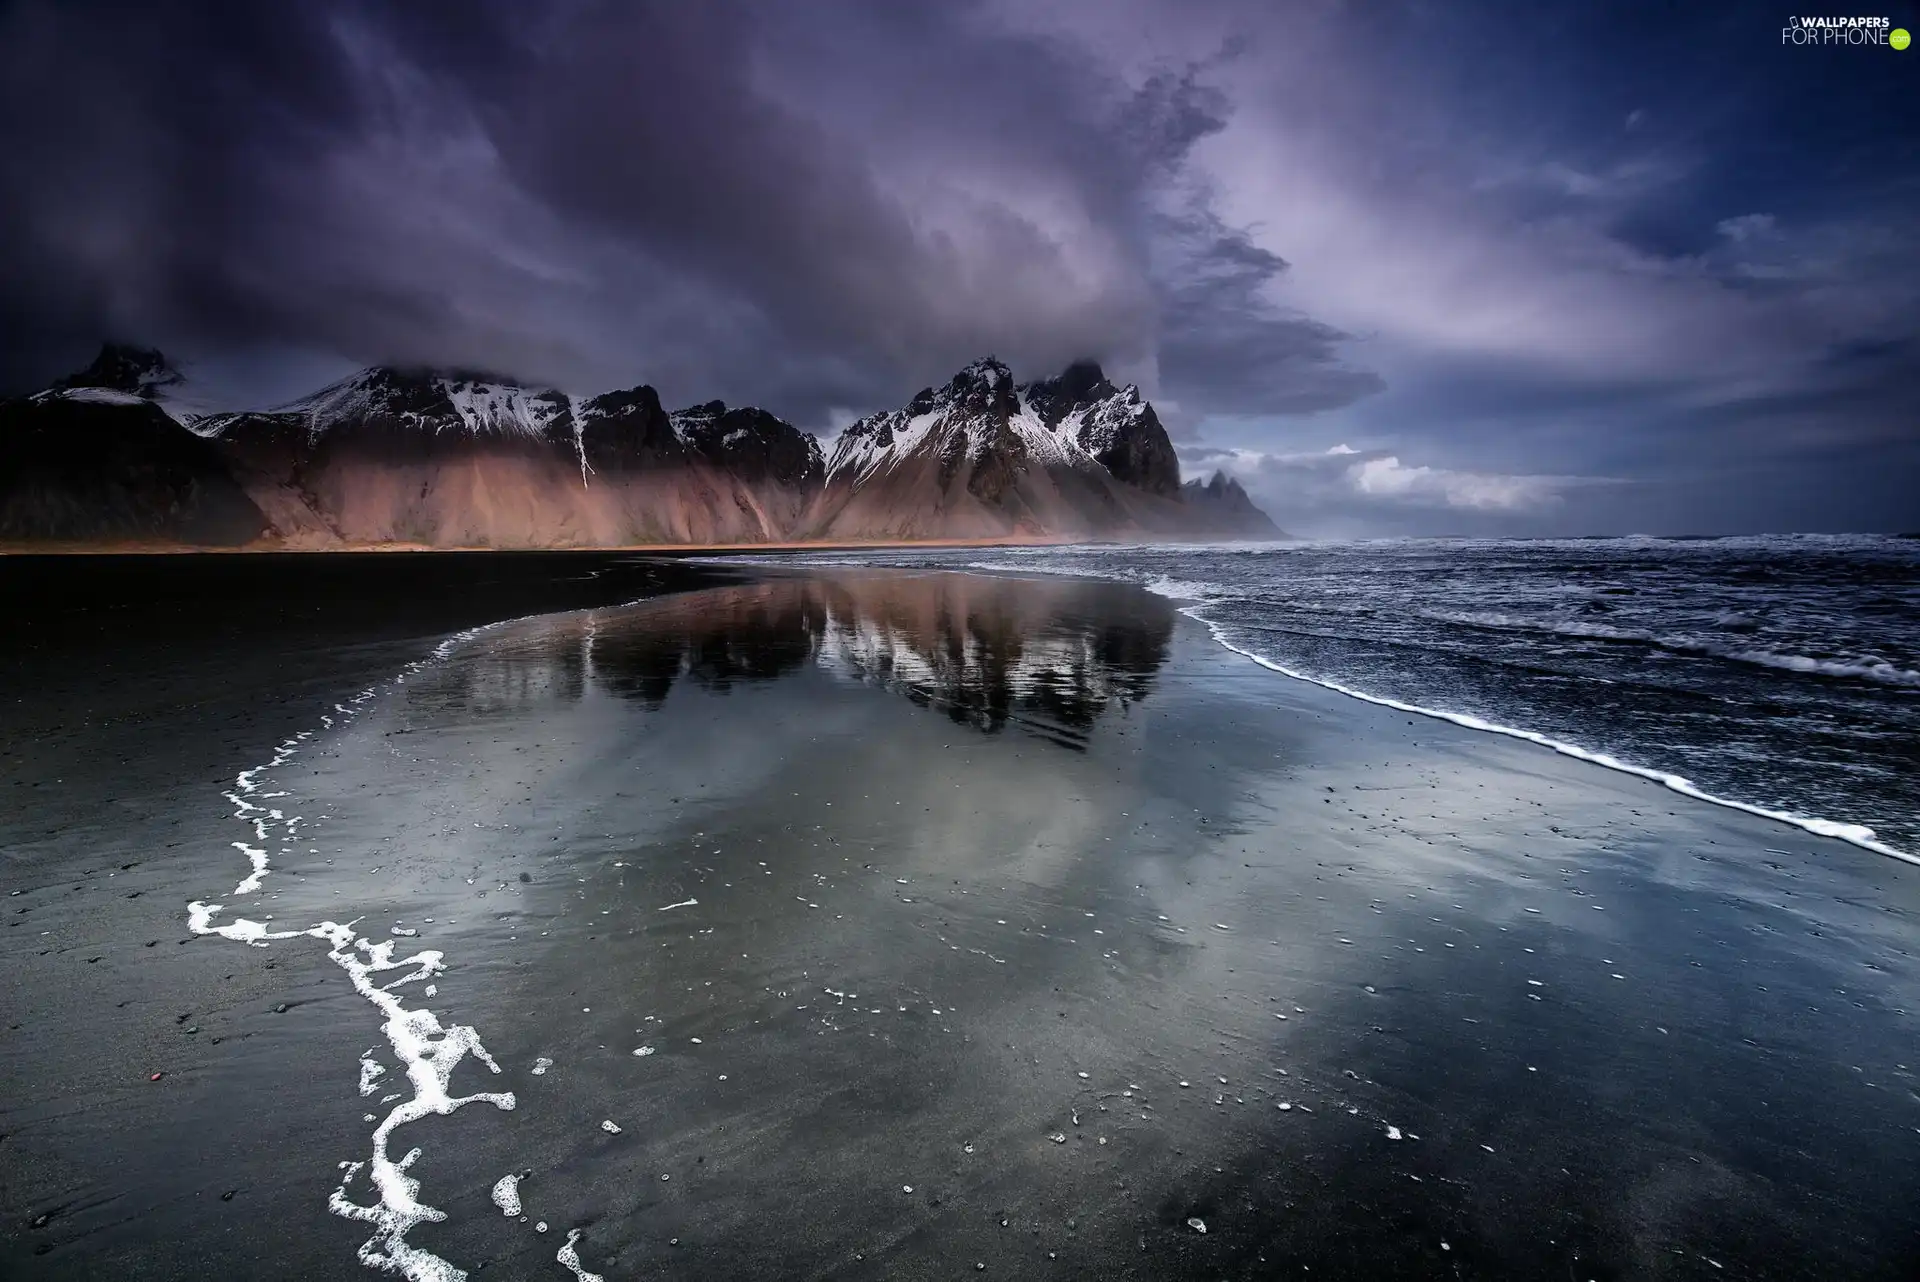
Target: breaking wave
(1855,834)
(1862,668)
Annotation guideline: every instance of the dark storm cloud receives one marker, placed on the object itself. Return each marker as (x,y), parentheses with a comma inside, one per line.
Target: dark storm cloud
(685,156)
(135,136)
(1492,249)
(1638,246)
(812,206)
(1228,349)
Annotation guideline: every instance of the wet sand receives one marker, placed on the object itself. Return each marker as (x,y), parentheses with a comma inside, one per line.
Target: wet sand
(1022,895)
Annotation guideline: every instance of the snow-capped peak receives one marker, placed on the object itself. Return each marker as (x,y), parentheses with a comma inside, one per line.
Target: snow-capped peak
(989,370)
(137,371)
(697,422)
(979,412)
(125,375)
(1098,426)
(749,438)
(490,406)
(434,401)
(985,386)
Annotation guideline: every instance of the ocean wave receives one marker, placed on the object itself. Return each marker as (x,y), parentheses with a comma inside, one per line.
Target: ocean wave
(1854,834)
(1864,669)
(1157,583)
(1182,589)
(1861,668)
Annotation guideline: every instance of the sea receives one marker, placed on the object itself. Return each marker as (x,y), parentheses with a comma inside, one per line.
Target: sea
(1777,674)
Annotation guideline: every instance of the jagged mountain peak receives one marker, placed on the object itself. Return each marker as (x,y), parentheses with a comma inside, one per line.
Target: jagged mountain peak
(1082,374)
(1220,483)
(431,379)
(710,415)
(465,457)
(141,377)
(433,400)
(121,367)
(1223,503)
(977,455)
(988,370)
(1081,384)
(983,387)
(706,410)
(1116,425)
(982,455)
(751,442)
(627,400)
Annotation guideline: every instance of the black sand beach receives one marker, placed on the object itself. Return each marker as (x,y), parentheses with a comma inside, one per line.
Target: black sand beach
(969,924)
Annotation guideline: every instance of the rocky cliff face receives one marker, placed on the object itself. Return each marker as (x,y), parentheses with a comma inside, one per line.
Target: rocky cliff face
(455,459)
(1112,424)
(451,458)
(752,444)
(87,470)
(1067,457)
(966,460)
(132,371)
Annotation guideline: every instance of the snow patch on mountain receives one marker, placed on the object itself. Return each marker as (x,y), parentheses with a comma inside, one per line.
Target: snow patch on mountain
(352,398)
(122,375)
(1099,427)
(503,407)
(879,442)
(431,455)
(982,406)
(435,403)
(96,395)
(576,413)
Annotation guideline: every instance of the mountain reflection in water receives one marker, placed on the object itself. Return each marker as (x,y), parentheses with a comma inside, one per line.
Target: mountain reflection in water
(1047,655)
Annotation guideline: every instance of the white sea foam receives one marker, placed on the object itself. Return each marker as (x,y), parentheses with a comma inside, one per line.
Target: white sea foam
(1181,589)
(428,1050)
(258,858)
(1165,585)
(570,1258)
(506,1195)
(1863,669)
(1855,834)
(1858,667)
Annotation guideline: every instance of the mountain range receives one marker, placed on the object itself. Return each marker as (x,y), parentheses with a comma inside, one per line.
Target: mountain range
(121,453)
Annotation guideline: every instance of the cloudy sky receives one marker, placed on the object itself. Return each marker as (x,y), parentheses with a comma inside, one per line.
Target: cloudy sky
(1403,267)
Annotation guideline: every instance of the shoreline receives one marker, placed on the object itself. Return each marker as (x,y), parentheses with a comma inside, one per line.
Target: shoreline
(1042,892)
(1854,833)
